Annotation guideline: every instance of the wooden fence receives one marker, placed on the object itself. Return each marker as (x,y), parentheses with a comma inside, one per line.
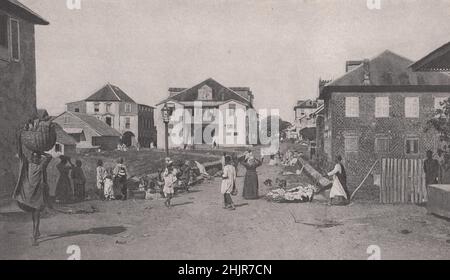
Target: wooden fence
(402,181)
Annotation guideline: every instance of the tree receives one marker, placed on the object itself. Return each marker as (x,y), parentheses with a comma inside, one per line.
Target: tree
(441,121)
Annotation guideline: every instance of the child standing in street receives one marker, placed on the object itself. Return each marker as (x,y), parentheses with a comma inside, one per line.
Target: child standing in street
(228,183)
(170,179)
(109,186)
(101,173)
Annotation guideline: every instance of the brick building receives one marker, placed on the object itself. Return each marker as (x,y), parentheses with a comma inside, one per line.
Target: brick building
(305,123)
(379,109)
(17,82)
(114,107)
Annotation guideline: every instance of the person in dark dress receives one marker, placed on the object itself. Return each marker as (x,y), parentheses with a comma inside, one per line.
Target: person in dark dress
(32,189)
(79,181)
(63,186)
(431,169)
(251,185)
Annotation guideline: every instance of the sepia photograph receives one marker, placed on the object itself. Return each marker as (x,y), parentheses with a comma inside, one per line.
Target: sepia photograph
(238,130)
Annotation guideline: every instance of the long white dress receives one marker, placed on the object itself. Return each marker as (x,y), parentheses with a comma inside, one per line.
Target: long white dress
(337,189)
(229,179)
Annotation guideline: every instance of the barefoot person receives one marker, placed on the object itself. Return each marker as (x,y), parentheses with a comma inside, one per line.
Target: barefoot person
(170,179)
(32,188)
(339,194)
(228,183)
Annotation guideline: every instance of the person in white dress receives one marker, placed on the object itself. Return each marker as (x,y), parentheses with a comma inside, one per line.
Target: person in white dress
(228,183)
(339,194)
(108,190)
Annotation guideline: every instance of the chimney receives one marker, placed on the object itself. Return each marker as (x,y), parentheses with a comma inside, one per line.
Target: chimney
(366,67)
(352,64)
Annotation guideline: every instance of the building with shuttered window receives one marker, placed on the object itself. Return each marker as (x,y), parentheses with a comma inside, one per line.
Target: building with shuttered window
(377,109)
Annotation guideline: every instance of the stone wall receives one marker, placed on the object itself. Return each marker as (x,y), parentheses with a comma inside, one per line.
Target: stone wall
(17,104)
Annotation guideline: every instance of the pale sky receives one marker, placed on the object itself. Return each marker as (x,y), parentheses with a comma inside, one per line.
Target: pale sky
(279,49)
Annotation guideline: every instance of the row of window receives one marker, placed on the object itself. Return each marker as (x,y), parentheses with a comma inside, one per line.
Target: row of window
(411,144)
(108,107)
(382,106)
(9,38)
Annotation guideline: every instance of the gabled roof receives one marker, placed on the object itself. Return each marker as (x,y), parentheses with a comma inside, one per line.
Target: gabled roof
(219,92)
(19,9)
(306,104)
(110,93)
(387,72)
(436,61)
(97,125)
(62,137)
(387,69)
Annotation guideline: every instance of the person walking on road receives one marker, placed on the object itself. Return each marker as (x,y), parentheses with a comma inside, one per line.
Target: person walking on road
(32,188)
(228,183)
(339,194)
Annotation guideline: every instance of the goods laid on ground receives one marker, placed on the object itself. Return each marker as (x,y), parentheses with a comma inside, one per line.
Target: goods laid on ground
(299,194)
(39,136)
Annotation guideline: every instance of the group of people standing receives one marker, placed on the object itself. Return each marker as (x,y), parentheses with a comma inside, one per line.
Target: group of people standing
(229,175)
(110,180)
(70,174)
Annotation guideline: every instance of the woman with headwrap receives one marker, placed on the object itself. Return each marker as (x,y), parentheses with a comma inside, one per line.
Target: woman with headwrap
(251,185)
(31,191)
(339,194)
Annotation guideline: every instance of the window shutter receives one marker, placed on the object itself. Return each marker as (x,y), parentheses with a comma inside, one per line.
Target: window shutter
(352,107)
(4,31)
(15,39)
(382,107)
(412,107)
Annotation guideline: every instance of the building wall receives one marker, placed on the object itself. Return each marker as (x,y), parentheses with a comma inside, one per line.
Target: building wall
(230,124)
(17,103)
(74,122)
(67,150)
(78,105)
(367,128)
(107,143)
(146,127)
(221,122)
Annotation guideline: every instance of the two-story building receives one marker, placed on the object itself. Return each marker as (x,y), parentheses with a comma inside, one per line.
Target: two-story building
(305,122)
(17,82)
(380,108)
(208,109)
(114,107)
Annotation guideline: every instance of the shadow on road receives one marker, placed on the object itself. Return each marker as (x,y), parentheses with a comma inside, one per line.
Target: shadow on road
(100,231)
(181,204)
(241,205)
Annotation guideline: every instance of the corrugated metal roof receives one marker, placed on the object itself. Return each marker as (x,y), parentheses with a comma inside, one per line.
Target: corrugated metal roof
(100,127)
(436,61)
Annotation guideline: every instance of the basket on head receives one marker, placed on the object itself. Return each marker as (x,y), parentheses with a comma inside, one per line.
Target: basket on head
(41,139)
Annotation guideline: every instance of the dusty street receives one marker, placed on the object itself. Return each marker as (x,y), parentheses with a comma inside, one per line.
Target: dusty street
(198,228)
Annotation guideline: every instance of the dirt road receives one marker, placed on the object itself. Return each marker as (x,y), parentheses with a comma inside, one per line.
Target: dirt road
(198,228)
